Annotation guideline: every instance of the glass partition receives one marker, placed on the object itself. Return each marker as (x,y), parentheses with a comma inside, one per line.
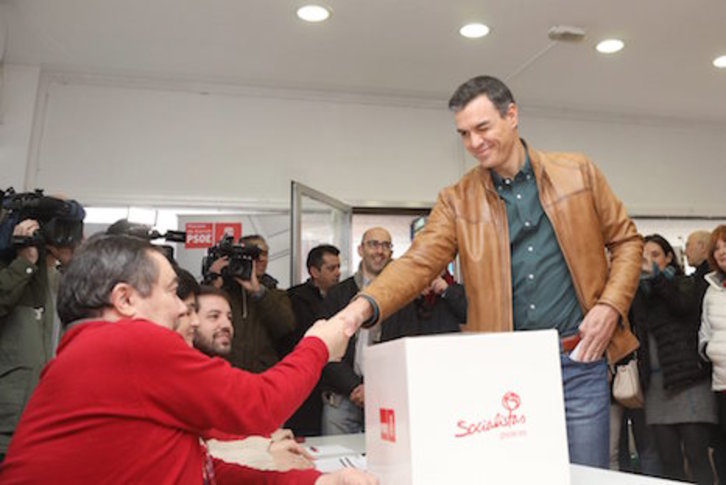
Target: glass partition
(317,218)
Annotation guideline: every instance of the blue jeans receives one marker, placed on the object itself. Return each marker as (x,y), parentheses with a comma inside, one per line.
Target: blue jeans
(587,410)
(341,416)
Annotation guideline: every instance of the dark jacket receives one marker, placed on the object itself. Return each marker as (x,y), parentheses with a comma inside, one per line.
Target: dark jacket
(425,316)
(669,311)
(259,323)
(307,305)
(340,377)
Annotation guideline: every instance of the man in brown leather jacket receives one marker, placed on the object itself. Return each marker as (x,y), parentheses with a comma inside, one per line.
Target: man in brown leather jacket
(533,231)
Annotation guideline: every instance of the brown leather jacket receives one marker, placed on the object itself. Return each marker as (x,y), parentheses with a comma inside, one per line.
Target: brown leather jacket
(471,219)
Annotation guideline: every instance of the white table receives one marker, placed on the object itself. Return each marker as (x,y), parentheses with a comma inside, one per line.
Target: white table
(580,475)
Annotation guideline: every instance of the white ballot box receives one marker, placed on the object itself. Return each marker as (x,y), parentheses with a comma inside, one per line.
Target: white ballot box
(466,409)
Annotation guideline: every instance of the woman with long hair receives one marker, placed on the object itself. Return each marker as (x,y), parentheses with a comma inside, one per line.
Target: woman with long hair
(712,336)
(679,405)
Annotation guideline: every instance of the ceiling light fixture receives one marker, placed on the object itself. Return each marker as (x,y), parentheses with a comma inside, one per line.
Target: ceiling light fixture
(474,31)
(313,13)
(610,46)
(720,62)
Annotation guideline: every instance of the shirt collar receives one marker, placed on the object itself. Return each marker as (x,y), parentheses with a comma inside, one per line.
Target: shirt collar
(526,169)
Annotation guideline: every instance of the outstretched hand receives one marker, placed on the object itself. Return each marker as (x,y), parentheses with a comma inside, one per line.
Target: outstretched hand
(331,332)
(353,315)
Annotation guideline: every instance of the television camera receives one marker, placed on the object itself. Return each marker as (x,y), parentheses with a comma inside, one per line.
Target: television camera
(240,259)
(60,220)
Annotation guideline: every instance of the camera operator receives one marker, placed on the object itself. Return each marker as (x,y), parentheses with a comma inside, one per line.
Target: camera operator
(261,267)
(261,315)
(29,327)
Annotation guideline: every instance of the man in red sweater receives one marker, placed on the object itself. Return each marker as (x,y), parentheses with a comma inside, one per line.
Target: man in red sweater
(126,399)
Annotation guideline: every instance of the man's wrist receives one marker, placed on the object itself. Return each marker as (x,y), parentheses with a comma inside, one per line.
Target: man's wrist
(373,319)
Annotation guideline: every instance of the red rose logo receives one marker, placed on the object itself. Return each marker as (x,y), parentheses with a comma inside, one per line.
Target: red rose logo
(511,401)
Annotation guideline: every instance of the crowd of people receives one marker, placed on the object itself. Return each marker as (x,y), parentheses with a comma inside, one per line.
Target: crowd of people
(119,366)
(679,433)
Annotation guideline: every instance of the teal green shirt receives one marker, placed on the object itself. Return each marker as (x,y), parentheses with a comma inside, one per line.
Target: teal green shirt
(542,290)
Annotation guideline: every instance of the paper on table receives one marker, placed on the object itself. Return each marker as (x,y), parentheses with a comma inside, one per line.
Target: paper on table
(327,465)
(329,450)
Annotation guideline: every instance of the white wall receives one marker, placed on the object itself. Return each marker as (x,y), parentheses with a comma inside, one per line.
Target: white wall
(657,166)
(18,91)
(107,140)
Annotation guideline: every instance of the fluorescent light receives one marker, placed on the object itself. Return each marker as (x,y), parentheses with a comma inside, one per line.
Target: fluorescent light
(610,46)
(720,62)
(313,13)
(474,31)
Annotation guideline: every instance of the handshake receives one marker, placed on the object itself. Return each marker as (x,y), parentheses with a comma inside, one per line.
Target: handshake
(336,331)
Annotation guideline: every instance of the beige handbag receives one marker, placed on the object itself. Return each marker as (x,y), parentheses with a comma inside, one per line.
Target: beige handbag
(626,385)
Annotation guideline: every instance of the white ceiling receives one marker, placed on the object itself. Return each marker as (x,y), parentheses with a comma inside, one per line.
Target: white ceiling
(396,47)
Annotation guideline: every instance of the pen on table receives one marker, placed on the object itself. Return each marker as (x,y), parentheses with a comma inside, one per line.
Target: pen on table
(313,449)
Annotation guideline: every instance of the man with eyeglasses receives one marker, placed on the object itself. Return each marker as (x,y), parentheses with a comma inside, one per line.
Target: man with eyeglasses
(342,382)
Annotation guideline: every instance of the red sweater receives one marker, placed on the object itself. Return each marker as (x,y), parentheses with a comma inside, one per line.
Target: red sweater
(126,402)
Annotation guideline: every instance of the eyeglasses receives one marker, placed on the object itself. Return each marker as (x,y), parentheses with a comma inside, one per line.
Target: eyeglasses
(373,244)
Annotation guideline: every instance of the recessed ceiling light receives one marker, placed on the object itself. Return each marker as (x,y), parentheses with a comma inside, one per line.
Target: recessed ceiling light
(720,62)
(474,31)
(610,46)
(313,13)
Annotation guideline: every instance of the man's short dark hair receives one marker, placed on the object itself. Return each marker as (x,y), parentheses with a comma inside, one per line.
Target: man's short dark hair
(491,87)
(188,285)
(97,267)
(206,290)
(315,256)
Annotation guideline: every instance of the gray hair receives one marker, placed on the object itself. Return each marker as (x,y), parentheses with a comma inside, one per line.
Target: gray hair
(101,263)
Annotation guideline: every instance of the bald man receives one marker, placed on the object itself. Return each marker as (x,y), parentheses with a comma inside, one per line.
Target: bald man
(697,251)
(342,382)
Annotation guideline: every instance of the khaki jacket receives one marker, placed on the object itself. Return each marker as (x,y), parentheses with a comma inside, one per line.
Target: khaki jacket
(470,219)
(26,331)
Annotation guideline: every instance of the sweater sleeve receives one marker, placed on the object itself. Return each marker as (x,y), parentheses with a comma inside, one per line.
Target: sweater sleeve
(180,387)
(232,474)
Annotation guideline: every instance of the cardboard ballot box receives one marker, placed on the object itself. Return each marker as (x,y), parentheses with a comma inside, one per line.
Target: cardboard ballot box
(466,409)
